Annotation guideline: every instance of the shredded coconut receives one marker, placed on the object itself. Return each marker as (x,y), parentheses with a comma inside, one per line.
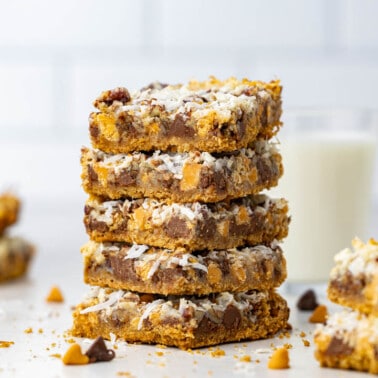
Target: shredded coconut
(135,251)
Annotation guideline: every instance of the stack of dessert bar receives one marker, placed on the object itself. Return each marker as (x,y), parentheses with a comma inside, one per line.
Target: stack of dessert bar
(15,252)
(349,339)
(183,249)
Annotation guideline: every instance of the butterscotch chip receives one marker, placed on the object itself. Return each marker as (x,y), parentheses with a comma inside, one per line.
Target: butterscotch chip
(307,301)
(319,315)
(279,359)
(74,356)
(55,295)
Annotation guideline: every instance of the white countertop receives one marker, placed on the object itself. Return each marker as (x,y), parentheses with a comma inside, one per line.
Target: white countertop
(22,305)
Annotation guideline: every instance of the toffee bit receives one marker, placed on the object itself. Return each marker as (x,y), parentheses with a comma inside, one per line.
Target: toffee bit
(307,301)
(99,352)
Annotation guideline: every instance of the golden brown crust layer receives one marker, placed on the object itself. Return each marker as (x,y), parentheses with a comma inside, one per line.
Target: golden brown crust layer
(184,322)
(9,209)
(15,256)
(213,116)
(187,177)
(152,270)
(194,226)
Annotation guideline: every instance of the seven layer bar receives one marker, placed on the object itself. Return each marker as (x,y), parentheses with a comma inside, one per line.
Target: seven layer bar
(183,251)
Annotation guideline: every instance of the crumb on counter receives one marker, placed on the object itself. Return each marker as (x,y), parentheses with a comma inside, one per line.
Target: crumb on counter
(245,358)
(217,352)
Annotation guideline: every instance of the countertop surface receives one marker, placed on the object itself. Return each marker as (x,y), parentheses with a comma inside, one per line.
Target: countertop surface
(23,306)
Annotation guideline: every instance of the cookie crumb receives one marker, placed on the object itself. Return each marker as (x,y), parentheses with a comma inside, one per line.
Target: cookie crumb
(245,358)
(158,353)
(279,359)
(319,315)
(6,344)
(73,356)
(306,343)
(302,334)
(307,301)
(55,295)
(28,330)
(56,355)
(218,353)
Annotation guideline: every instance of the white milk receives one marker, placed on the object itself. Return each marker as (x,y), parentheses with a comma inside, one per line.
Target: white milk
(328,183)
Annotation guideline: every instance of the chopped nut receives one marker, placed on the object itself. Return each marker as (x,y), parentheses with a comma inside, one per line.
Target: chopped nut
(73,356)
(55,295)
(319,315)
(279,359)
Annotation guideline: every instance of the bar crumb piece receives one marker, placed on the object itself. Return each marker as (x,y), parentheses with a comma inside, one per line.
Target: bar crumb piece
(6,344)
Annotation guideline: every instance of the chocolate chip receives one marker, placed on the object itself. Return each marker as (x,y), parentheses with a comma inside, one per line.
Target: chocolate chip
(99,352)
(118,94)
(92,174)
(337,347)
(307,301)
(176,228)
(123,269)
(125,178)
(154,85)
(376,353)
(179,128)
(95,225)
(231,317)
(207,228)
(94,131)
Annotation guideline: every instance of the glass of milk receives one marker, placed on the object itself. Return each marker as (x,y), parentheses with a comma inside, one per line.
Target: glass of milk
(329,163)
